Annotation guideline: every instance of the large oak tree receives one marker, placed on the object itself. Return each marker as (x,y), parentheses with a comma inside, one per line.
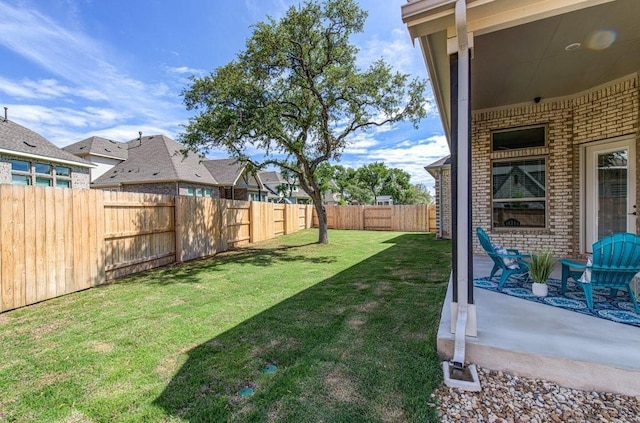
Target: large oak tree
(295,95)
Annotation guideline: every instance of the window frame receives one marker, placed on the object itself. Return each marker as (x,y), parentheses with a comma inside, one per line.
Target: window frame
(36,177)
(521,128)
(544,199)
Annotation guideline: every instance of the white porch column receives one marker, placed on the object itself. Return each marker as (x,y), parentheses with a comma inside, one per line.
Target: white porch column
(459,46)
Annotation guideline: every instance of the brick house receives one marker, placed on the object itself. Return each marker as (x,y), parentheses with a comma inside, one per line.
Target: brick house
(539,102)
(553,137)
(156,164)
(234,180)
(276,184)
(27,158)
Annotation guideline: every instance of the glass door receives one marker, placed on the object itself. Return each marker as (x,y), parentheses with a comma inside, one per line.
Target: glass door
(610,190)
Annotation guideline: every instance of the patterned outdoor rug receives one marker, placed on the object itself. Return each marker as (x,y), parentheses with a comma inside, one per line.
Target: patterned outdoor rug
(619,309)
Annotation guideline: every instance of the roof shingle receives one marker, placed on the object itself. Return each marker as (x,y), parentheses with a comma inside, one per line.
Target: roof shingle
(22,141)
(157,158)
(100,147)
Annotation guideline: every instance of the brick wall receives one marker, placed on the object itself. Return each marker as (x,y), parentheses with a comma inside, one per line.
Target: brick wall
(602,114)
(442,177)
(169,188)
(164,188)
(80,177)
(5,169)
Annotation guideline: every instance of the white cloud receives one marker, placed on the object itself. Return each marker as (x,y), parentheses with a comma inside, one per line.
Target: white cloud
(410,156)
(397,51)
(64,125)
(434,148)
(46,89)
(185,71)
(128,132)
(81,61)
(360,143)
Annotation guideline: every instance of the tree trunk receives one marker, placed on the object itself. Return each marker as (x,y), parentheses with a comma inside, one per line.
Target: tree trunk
(323,236)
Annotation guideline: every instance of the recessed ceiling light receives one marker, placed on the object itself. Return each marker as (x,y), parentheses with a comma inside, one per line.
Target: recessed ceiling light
(573,46)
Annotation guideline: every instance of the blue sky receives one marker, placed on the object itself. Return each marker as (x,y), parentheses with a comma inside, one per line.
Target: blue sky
(76,68)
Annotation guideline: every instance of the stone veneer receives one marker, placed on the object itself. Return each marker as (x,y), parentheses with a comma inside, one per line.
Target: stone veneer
(604,113)
(168,188)
(442,186)
(80,176)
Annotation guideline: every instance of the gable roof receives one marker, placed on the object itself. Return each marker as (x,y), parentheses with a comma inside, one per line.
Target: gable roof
(274,179)
(157,158)
(271,177)
(98,146)
(225,171)
(17,140)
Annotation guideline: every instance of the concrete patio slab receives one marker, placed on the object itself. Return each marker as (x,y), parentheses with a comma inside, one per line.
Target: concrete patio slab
(539,341)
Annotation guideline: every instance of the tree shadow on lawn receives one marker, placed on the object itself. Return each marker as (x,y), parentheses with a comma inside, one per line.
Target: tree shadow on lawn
(359,346)
(188,272)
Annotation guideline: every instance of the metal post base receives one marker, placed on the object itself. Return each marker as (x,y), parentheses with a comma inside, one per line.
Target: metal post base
(460,377)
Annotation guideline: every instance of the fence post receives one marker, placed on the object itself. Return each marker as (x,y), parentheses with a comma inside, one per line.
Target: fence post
(177,223)
(254,217)
(285,216)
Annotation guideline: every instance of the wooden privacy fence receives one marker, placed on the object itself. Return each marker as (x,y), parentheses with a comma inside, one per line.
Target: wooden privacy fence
(419,218)
(56,241)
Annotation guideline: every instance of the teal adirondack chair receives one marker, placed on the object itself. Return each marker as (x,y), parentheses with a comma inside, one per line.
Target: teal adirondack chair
(616,260)
(510,263)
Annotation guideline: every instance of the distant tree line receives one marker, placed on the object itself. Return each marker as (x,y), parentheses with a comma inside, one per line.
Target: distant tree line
(364,184)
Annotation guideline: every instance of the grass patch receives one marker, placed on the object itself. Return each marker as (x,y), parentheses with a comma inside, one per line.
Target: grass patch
(350,325)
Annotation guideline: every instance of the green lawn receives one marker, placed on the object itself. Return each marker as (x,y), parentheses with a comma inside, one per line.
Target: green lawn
(351,327)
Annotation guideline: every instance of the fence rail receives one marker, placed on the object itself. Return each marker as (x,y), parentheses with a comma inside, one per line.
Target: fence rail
(56,241)
(418,218)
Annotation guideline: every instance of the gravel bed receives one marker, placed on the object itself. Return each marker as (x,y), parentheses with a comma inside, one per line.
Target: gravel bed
(507,398)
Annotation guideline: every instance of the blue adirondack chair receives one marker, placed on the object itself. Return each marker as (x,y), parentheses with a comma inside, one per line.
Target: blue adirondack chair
(616,260)
(510,263)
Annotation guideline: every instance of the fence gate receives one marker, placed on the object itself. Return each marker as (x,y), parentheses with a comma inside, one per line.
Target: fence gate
(378,218)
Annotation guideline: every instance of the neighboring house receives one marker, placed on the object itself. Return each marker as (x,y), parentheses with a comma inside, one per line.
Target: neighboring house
(27,158)
(332,198)
(103,153)
(282,190)
(235,182)
(441,172)
(554,89)
(156,164)
(384,200)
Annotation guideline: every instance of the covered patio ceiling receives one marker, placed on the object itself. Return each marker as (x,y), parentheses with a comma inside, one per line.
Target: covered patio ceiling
(529,49)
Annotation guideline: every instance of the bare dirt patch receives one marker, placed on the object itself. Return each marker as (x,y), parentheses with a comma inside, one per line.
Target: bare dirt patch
(356,322)
(76,417)
(383,288)
(275,413)
(360,286)
(101,347)
(167,367)
(368,306)
(389,411)
(340,387)
(49,379)
(403,273)
(45,329)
